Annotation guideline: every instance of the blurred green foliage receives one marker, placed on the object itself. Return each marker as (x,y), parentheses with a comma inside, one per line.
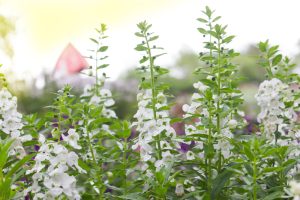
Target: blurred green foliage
(180,79)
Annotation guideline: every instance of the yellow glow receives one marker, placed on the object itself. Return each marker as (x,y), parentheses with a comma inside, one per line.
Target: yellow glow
(53,22)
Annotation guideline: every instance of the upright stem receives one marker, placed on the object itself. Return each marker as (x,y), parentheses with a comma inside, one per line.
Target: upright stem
(219,87)
(254,190)
(154,100)
(218,101)
(96,164)
(125,165)
(96,69)
(209,182)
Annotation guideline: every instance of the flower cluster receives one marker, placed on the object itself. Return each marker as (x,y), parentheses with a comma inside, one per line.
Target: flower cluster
(274,116)
(150,128)
(103,97)
(52,171)
(11,122)
(80,149)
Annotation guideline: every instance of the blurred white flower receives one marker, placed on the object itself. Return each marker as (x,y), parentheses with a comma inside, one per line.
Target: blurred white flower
(72,138)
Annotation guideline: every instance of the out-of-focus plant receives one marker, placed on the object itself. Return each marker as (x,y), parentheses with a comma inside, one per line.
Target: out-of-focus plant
(6,28)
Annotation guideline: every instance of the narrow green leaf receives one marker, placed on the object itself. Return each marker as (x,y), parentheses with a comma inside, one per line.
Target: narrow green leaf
(139,34)
(219,182)
(4,153)
(208,11)
(103,48)
(276,60)
(19,164)
(274,195)
(93,40)
(103,66)
(228,39)
(140,48)
(202,30)
(216,19)
(202,20)
(153,38)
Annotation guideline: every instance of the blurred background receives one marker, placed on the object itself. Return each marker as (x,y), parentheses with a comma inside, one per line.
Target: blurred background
(40,39)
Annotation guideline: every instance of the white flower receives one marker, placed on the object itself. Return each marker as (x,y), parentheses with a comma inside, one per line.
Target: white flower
(191,189)
(150,127)
(161,98)
(270,97)
(11,123)
(72,138)
(232,124)
(52,163)
(225,147)
(190,155)
(200,86)
(179,190)
(295,189)
(105,93)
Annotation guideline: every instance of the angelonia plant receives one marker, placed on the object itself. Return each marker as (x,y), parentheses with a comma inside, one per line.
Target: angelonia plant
(80,149)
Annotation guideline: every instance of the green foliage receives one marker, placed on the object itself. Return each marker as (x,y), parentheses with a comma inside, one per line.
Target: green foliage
(116,159)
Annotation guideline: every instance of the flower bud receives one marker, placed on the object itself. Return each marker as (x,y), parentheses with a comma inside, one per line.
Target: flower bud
(179,191)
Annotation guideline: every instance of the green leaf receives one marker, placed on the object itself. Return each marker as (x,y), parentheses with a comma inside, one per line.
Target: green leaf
(158,55)
(139,34)
(175,120)
(274,195)
(140,48)
(263,46)
(93,40)
(83,165)
(5,189)
(144,59)
(103,48)
(219,182)
(248,153)
(19,164)
(103,66)
(133,196)
(4,153)
(273,50)
(208,11)
(153,38)
(216,19)
(202,20)
(228,39)
(202,30)
(276,60)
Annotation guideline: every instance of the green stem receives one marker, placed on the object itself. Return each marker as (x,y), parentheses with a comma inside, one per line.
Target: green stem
(218,102)
(154,100)
(96,164)
(254,190)
(96,69)
(209,181)
(125,165)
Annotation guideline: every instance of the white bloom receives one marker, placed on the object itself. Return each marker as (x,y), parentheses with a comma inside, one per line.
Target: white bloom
(200,86)
(179,191)
(52,163)
(11,123)
(232,124)
(72,138)
(149,128)
(190,155)
(271,97)
(295,189)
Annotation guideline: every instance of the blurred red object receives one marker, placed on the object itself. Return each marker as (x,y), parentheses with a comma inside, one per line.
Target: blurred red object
(70,62)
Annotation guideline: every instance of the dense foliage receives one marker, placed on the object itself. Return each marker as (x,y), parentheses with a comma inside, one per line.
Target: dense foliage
(79,149)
